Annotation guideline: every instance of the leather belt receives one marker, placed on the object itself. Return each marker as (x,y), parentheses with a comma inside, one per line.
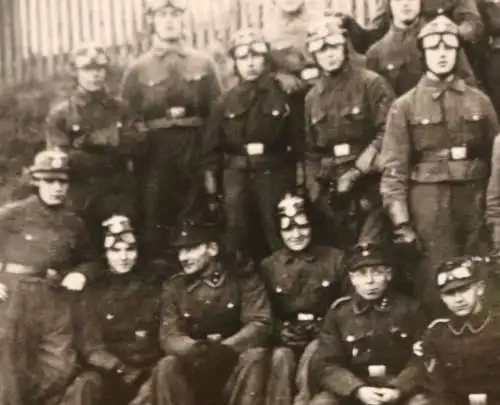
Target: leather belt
(339,150)
(16,268)
(455,153)
(258,149)
(176,116)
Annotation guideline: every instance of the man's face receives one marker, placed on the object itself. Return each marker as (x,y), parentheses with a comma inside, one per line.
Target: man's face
(297,238)
(251,66)
(121,257)
(405,11)
(194,259)
(441,60)
(53,191)
(92,78)
(370,282)
(289,6)
(331,57)
(464,301)
(167,23)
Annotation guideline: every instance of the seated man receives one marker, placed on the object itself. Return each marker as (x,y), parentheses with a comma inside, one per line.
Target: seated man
(365,344)
(38,361)
(215,321)
(120,318)
(461,353)
(303,279)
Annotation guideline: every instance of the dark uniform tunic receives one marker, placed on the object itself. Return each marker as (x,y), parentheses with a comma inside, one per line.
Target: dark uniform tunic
(253,115)
(302,287)
(397,58)
(357,334)
(436,154)
(345,121)
(124,313)
(490,11)
(92,129)
(36,339)
(171,92)
(461,357)
(229,302)
(43,238)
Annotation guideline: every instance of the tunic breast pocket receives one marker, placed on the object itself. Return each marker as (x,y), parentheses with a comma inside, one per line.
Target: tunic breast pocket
(195,84)
(354,123)
(358,345)
(392,71)
(320,135)
(154,89)
(274,118)
(428,132)
(474,128)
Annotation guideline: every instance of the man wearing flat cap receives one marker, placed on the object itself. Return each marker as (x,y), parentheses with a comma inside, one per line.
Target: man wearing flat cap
(365,343)
(460,353)
(215,323)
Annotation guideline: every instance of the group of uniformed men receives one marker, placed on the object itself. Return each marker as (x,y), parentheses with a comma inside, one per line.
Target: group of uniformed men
(322,172)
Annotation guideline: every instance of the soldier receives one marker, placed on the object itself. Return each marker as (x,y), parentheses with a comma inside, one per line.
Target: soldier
(436,154)
(121,318)
(365,344)
(460,352)
(90,126)
(171,89)
(252,146)
(345,119)
(40,235)
(215,322)
(397,57)
(463,12)
(303,279)
(493,196)
(490,67)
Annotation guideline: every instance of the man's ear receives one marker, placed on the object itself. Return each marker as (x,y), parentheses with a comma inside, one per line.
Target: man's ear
(213,249)
(480,288)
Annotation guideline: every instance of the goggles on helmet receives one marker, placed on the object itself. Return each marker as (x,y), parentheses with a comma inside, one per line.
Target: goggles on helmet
(459,273)
(298,221)
(318,44)
(242,51)
(432,41)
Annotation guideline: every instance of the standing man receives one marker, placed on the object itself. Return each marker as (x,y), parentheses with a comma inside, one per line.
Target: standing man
(345,119)
(170,89)
(436,158)
(253,146)
(41,235)
(303,279)
(461,352)
(215,323)
(364,354)
(90,125)
(397,57)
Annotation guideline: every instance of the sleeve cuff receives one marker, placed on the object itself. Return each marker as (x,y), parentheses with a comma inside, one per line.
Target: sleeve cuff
(398,213)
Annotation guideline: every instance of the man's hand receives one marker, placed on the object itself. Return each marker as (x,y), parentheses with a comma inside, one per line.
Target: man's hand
(3,292)
(74,281)
(347,180)
(405,235)
(390,395)
(370,395)
(289,83)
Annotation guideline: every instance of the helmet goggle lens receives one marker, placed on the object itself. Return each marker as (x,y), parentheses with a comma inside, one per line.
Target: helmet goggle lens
(328,41)
(432,41)
(459,273)
(112,240)
(298,221)
(91,61)
(258,48)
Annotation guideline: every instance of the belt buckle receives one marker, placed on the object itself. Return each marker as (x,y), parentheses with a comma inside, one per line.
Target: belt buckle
(176,112)
(458,152)
(478,399)
(254,148)
(377,371)
(341,150)
(305,317)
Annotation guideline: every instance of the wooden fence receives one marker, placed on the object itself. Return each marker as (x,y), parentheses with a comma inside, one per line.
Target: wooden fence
(36,35)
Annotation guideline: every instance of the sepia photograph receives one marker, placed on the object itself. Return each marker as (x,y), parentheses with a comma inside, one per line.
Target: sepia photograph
(249,202)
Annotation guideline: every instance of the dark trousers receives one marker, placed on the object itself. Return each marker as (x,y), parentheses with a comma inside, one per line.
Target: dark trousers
(254,194)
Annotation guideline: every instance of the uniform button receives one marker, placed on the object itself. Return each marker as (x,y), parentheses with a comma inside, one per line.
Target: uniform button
(356,110)
(141,334)
(349,338)
(75,127)
(119,124)
(231,115)
(279,290)
(275,113)
(404,335)
(475,117)
(425,121)
(186,315)
(325,283)
(109,316)
(390,66)
(365,253)
(28,237)
(440,10)
(151,83)
(230,305)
